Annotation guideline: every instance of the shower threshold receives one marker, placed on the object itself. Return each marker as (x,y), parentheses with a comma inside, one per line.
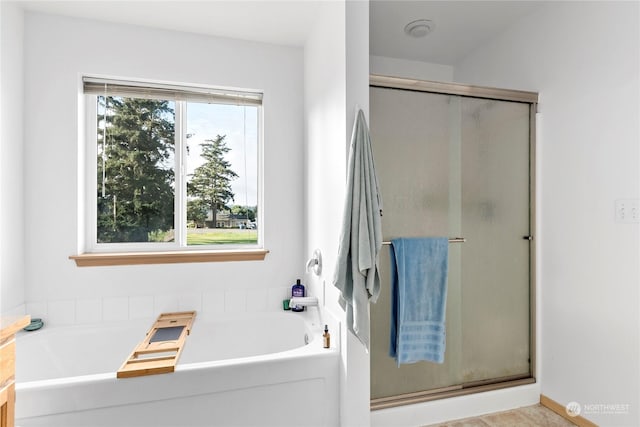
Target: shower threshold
(448,392)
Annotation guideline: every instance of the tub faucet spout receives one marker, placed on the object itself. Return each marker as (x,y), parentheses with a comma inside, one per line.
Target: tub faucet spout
(304,301)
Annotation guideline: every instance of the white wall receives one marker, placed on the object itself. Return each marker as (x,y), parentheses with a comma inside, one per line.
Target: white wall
(396,67)
(583,58)
(325,161)
(336,81)
(57,51)
(11,159)
(356,391)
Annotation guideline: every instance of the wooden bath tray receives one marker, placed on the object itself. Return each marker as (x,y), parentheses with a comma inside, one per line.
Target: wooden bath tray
(159,352)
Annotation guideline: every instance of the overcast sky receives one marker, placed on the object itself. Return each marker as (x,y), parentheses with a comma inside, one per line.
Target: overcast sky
(240,126)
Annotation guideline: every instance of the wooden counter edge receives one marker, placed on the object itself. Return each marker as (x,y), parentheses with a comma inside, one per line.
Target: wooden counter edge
(9,325)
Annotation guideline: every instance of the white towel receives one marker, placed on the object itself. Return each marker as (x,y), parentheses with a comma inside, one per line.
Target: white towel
(356,274)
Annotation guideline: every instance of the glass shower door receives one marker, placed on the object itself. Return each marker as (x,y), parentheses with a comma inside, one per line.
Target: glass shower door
(410,135)
(495,218)
(456,166)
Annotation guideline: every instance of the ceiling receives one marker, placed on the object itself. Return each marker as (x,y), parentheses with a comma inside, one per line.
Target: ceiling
(267,21)
(460,26)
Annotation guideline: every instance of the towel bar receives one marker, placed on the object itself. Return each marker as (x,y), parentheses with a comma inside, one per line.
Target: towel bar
(451,240)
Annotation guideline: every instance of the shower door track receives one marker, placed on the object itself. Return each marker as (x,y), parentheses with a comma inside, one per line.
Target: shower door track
(453,89)
(526,97)
(447,392)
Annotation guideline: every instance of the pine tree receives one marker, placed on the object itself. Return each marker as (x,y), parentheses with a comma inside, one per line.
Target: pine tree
(197,212)
(211,181)
(135,170)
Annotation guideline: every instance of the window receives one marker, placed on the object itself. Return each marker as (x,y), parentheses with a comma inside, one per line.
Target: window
(171,168)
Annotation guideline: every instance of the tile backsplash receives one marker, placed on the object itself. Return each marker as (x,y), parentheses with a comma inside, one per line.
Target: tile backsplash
(112,309)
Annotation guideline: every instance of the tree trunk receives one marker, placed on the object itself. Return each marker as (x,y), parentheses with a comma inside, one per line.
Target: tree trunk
(214,214)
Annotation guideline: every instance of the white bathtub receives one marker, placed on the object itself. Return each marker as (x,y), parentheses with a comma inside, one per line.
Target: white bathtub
(249,370)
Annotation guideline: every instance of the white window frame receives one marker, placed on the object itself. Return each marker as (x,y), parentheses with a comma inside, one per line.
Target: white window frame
(90,146)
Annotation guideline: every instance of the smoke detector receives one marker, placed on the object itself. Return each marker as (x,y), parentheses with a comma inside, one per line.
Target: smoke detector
(419,28)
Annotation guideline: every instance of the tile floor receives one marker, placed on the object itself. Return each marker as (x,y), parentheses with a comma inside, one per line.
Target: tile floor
(529,416)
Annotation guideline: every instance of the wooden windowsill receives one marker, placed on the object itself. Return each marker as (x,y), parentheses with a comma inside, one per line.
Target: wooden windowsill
(168,257)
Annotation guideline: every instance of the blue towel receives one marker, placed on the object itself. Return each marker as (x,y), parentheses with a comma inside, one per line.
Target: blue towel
(356,274)
(419,268)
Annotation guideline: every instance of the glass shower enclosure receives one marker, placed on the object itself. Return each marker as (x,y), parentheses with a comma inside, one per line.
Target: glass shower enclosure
(454,164)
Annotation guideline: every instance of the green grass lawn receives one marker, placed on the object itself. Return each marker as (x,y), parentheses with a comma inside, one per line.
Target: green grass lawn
(222,237)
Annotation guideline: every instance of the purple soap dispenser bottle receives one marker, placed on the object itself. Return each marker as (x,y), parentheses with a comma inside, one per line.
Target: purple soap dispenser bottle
(297,290)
